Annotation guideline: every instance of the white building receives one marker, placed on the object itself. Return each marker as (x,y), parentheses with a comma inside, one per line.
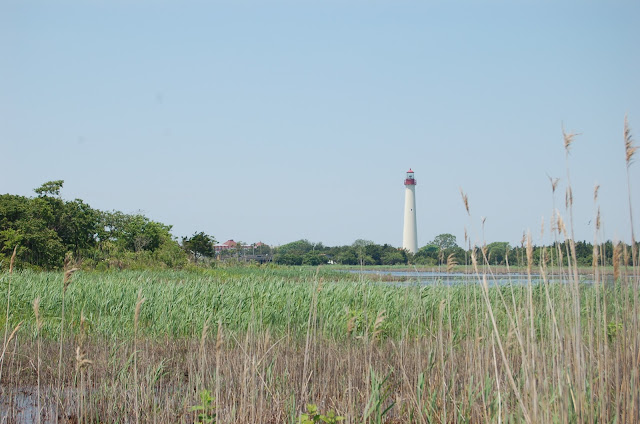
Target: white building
(410,233)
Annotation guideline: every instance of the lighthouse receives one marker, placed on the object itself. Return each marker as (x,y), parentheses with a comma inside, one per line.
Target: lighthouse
(410,233)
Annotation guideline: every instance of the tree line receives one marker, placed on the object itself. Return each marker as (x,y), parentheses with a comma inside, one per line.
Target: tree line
(45,229)
(444,250)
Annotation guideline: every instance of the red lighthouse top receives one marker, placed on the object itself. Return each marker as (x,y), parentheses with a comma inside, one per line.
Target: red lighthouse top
(410,180)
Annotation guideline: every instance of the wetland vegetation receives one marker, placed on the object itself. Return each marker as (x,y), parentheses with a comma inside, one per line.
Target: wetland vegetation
(265,341)
(288,344)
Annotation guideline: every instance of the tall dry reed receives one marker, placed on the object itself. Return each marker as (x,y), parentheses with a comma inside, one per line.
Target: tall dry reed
(549,348)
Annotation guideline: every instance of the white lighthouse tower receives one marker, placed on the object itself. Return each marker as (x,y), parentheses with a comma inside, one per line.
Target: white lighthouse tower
(410,233)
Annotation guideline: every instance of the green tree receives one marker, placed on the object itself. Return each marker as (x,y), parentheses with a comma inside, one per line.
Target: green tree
(134,232)
(393,258)
(288,258)
(458,253)
(346,256)
(314,258)
(584,253)
(261,249)
(78,227)
(27,223)
(360,246)
(50,188)
(497,252)
(47,227)
(375,252)
(199,245)
(446,245)
(428,255)
(299,247)
(445,241)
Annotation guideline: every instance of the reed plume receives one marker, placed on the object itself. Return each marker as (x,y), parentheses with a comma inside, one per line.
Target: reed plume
(617,253)
(568,199)
(377,325)
(13,259)
(554,183)
(630,151)
(67,278)
(568,140)
(451,262)
(11,336)
(351,325)
(465,200)
(629,147)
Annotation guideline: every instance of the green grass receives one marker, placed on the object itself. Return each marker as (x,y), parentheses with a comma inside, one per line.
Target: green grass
(177,304)
(310,334)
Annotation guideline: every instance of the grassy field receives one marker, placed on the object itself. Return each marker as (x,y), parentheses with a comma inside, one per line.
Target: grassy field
(264,342)
(261,344)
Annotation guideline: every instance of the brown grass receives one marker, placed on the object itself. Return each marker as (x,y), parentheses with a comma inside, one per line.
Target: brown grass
(548,352)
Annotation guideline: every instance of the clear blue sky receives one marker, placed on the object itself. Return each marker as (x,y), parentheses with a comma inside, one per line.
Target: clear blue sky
(279,120)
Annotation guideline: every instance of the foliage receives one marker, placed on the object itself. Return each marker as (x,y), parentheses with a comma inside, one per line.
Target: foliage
(440,326)
(30,225)
(313,415)
(365,252)
(313,258)
(299,247)
(445,241)
(288,259)
(200,245)
(206,409)
(345,256)
(134,233)
(427,255)
(613,329)
(46,228)
(392,258)
(439,250)
(379,403)
(50,188)
(300,252)
(261,249)
(497,252)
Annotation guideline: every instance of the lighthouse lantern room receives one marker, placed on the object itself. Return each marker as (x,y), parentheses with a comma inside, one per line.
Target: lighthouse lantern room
(410,180)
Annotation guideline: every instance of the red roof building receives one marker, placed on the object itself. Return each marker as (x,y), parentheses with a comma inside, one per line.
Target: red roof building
(229,244)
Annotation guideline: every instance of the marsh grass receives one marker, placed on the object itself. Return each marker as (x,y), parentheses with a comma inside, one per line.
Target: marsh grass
(6,339)
(470,345)
(140,346)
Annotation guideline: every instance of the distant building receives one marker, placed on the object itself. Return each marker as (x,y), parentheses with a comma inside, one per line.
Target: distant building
(245,252)
(229,244)
(232,244)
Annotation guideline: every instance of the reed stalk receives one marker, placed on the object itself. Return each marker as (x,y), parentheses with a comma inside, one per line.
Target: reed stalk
(630,151)
(136,320)
(68,273)
(6,322)
(36,312)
